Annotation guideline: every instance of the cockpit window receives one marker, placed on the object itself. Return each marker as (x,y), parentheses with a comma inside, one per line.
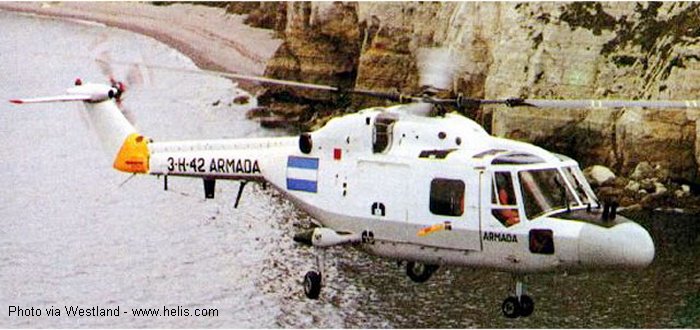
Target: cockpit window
(578,186)
(544,190)
(504,203)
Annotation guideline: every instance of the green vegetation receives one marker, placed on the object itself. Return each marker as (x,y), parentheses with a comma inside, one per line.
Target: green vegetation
(649,30)
(624,60)
(655,35)
(587,15)
(689,315)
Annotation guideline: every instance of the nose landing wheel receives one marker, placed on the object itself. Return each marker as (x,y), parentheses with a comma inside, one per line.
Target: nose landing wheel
(520,305)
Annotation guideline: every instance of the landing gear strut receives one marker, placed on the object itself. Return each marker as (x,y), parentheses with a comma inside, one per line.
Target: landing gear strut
(520,304)
(313,280)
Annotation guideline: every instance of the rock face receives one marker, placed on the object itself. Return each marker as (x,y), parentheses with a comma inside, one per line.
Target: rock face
(537,50)
(611,50)
(321,45)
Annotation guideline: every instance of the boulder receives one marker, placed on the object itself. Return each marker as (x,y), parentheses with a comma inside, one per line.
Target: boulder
(647,184)
(659,188)
(632,186)
(241,99)
(598,175)
(679,193)
(685,188)
(643,170)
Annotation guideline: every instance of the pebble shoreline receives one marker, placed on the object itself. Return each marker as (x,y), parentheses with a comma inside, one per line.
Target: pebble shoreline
(212,38)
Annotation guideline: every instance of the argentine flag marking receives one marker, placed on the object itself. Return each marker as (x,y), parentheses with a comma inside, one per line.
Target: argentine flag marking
(302,174)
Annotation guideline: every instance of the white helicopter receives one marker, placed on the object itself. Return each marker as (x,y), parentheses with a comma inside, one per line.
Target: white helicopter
(430,191)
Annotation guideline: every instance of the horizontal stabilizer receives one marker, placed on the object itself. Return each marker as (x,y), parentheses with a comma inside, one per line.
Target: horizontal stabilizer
(59,98)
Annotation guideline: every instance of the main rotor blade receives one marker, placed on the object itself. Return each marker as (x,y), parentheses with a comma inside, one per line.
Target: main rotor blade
(593,104)
(562,104)
(236,76)
(460,102)
(387,95)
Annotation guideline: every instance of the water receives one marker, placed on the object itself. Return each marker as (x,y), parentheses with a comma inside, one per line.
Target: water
(71,235)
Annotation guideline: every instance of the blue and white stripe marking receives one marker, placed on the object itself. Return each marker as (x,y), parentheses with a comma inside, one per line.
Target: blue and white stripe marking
(302,174)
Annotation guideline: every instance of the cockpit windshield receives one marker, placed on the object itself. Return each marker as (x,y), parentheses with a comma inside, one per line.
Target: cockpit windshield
(575,177)
(546,190)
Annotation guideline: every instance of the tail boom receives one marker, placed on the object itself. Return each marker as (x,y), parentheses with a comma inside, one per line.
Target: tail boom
(248,159)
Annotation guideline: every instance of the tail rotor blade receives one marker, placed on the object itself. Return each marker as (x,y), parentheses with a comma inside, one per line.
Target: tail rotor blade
(128,114)
(103,61)
(134,76)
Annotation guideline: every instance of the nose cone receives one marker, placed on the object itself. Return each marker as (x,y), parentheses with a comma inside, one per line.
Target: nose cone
(625,245)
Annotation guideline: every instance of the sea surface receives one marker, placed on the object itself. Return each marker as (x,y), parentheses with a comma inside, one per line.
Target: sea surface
(74,232)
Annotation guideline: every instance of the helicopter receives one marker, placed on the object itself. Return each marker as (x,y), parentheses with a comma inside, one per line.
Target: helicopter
(426,191)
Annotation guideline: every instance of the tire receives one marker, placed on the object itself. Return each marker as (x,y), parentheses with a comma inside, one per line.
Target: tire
(511,308)
(312,285)
(419,272)
(527,306)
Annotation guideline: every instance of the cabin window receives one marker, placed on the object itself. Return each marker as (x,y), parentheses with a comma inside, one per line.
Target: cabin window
(447,197)
(382,132)
(542,241)
(504,204)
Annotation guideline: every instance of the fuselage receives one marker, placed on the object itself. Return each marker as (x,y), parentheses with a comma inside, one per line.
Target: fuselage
(432,190)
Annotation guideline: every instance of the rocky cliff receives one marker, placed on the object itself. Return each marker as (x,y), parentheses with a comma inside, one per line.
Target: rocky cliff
(534,50)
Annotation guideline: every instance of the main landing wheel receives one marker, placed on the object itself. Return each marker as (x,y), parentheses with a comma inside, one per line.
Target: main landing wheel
(419,272)
(513,308)
(527,306)
(312,285)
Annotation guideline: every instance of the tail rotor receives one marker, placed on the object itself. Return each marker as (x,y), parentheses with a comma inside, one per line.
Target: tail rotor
(132,77)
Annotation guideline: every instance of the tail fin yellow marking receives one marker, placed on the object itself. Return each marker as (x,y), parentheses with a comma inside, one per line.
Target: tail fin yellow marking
(133,156)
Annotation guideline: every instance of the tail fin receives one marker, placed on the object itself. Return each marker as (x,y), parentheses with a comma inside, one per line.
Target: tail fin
(117,135)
